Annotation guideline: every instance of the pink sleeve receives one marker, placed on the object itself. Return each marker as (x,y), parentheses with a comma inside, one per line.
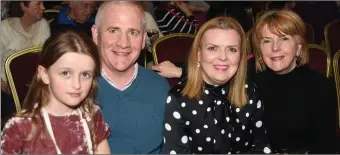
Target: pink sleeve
(13,135)
(102,128)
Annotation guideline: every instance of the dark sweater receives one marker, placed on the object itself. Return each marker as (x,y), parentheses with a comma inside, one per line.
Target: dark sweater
(136,114)
(300,111)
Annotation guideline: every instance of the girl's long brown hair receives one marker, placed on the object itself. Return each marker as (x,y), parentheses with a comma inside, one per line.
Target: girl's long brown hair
(193,89)
(38,94)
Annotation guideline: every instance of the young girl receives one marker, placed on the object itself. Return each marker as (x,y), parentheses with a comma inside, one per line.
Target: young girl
(59,113)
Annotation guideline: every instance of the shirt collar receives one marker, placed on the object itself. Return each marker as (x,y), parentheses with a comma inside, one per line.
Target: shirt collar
(127,85)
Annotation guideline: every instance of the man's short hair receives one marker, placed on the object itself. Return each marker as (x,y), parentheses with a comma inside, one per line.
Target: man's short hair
(101,9)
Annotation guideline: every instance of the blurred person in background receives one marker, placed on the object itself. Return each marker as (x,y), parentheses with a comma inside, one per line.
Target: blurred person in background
(77,15)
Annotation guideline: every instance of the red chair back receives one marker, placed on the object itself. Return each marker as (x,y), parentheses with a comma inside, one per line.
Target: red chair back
(336,68)
(20,69)
(309,33)
(174,47)
(332,36)
(319,59)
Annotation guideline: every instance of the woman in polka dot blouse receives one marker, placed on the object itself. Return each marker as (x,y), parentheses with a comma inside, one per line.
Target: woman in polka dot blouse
(215,110)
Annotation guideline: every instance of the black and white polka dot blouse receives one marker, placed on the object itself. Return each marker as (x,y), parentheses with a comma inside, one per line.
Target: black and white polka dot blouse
(211,125)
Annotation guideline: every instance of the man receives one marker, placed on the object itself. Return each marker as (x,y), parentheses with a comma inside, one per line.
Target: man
(131,97)
(77,14)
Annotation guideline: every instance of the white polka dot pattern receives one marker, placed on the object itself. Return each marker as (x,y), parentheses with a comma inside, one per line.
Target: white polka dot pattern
(259,104)
(184,139)
(218,103)
(267,150)
(258,124)
(191,124)
(227,119)
(177,115)
(198,130)
(206,92)
(168,100)
(167,127)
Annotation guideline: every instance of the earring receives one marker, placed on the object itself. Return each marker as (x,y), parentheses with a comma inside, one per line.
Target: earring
(262,64)
(298,60)
(260,61)
(198,64)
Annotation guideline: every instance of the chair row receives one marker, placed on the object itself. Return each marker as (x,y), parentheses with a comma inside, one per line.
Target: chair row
(331,31)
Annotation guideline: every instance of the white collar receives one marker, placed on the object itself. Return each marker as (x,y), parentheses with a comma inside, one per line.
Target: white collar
(127,85)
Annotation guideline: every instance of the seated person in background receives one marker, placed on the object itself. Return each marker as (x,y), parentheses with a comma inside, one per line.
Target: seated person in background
(153,33)
(199,9)
(152,29)
(148,7)
(4,9)
(24,29)
(199,6)
(175,17)
(76,15)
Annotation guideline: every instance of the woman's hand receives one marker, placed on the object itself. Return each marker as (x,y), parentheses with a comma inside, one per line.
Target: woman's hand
(168,70)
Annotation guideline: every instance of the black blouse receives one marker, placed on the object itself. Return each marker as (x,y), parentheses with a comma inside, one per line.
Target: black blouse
(300,111)
(212,124)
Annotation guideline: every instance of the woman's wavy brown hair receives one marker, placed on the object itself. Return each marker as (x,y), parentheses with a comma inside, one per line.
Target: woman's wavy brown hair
(280,22)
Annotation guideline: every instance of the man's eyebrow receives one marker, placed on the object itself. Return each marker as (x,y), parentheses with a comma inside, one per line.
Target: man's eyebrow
(112,27)
(133,29)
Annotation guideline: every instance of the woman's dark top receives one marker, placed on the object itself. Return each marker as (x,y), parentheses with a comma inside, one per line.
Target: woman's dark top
(300,111)
(212,124)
